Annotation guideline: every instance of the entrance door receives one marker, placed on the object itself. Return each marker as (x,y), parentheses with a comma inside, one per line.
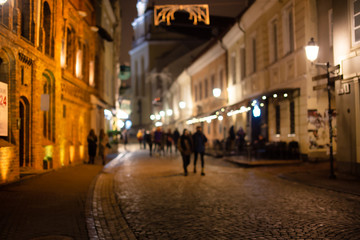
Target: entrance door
(24,148)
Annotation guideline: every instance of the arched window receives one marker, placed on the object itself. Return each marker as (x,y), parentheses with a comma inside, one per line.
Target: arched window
(49,115)
(47,28)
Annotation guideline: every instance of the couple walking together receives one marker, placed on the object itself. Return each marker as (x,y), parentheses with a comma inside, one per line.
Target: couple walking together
(188,144)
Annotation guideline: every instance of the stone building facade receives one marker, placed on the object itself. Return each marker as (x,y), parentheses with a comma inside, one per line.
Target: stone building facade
(47,51)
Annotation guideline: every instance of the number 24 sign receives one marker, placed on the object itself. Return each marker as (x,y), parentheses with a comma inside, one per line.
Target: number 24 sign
(2,100)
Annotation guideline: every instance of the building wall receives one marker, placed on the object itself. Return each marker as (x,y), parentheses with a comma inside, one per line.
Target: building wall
(38,63)
(209,68)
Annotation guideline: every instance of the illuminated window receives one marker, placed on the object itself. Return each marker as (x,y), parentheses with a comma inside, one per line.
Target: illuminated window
(4,11)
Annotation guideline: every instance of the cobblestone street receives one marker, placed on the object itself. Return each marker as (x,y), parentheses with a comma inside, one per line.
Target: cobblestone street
(158,202)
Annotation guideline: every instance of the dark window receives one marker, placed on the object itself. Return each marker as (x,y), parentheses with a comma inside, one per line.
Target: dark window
(275,46)
(254,54)
(25,10)
(212,83)
(221,79)
(206,88)
(277,119)
(292,117)
(22,75)
(47,28)
(200,91)
(291,31)
(242,63)
(70,50)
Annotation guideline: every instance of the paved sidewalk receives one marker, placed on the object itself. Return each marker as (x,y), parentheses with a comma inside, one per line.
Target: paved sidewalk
(47,206)
(310,173)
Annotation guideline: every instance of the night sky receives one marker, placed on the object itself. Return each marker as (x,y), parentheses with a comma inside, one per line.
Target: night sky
(229,8)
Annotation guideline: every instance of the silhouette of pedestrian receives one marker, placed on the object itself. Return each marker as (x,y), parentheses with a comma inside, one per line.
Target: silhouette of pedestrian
(103,143)
(199,141)
(92,139)
(185,147)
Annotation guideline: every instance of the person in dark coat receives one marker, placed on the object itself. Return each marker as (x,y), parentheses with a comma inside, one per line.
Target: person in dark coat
(199,141)
(185,147)
(176,136)
(92,139)
(149,138)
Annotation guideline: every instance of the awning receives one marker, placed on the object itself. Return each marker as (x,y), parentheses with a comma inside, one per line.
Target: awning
(104,34)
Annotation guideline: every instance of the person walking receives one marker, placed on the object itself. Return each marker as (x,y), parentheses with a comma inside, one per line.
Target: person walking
(176,136)
(185,147)
(103,143)
(169,141)
(199,140)
(139,137)
(158,139)
(92,139)
(149,138)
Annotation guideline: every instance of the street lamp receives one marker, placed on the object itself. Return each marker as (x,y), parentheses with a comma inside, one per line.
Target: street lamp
(182,104)
(216,92)
(312,51)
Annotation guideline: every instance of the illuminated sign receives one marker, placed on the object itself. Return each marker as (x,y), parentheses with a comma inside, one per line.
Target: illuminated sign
(3,109)
(256,111)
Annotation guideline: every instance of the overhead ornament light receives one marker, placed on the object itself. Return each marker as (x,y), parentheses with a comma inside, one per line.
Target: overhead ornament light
(197,13)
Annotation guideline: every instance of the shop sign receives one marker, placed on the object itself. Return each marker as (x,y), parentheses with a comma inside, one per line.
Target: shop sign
(3,109)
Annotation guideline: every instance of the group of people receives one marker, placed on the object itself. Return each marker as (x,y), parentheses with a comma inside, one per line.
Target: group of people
(187,144)
(92,145)
(158,140)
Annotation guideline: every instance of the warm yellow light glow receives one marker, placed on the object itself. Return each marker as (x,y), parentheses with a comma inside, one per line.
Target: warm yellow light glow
(91,74)
(72,152)
(62,155)
(5,165)
(63,54)
(312,50)
(48,151)
(81,151)
(78,64)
